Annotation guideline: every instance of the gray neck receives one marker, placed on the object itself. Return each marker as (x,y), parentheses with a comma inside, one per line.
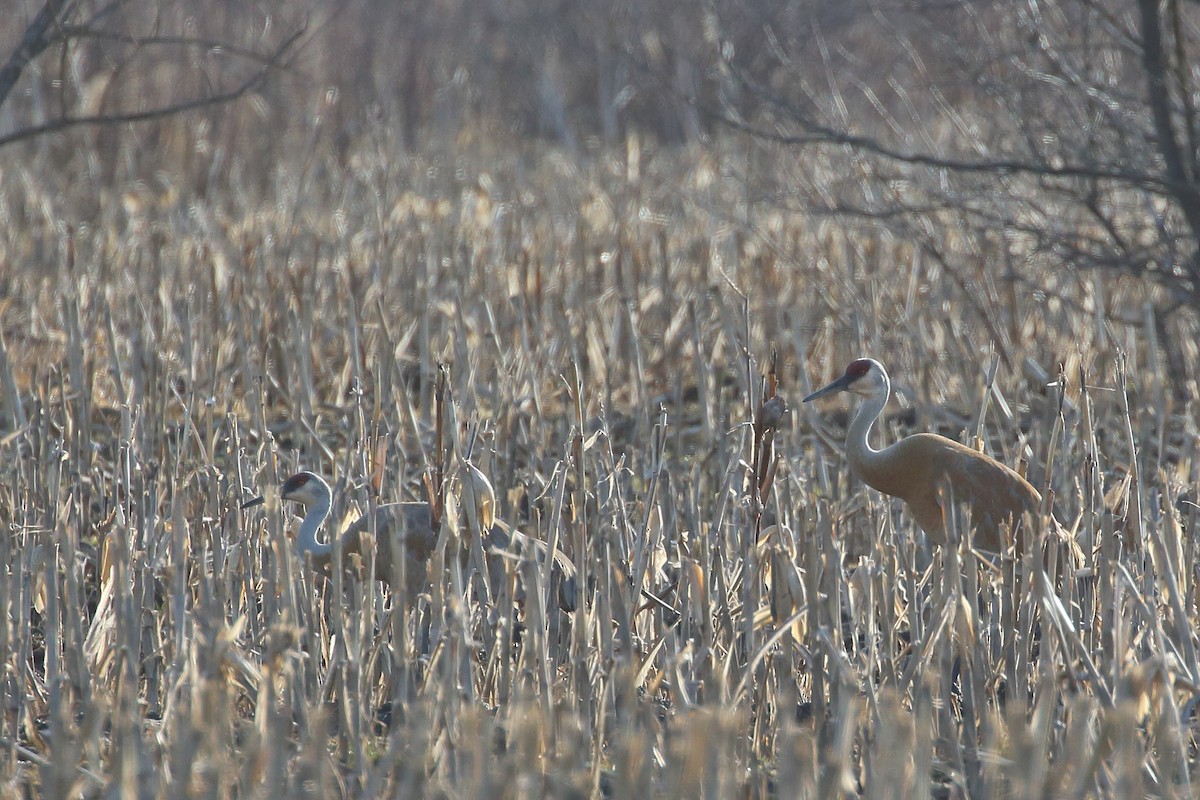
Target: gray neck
(858,437)
(306,539)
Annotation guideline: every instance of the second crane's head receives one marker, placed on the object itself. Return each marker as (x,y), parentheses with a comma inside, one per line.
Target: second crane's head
(306,488)
(865,377)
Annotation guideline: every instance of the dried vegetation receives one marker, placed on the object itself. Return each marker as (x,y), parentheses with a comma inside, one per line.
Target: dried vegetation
(752,621)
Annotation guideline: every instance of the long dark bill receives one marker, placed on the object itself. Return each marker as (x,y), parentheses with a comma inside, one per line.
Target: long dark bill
(840,385)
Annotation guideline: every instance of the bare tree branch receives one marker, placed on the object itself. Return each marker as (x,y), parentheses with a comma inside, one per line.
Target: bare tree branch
(33,43)
(1069,128)
(215,45)
(1154,59)
(818,134)
(249,85)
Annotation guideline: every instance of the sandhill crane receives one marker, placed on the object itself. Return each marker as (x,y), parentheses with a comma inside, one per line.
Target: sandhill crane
(413,523)
(923,467)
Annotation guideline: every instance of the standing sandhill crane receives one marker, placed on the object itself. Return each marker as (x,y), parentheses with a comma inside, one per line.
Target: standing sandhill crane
(413,520)
(417,538)
(923,467)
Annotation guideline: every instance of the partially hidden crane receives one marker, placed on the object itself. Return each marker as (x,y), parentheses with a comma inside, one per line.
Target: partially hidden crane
(412,524)
(925,469)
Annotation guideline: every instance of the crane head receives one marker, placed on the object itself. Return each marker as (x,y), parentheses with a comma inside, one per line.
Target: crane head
(865,377)
(305,488)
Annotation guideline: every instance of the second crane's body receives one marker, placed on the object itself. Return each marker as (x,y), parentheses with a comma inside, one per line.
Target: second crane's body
(413,523)
(410,525)
(925,468)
